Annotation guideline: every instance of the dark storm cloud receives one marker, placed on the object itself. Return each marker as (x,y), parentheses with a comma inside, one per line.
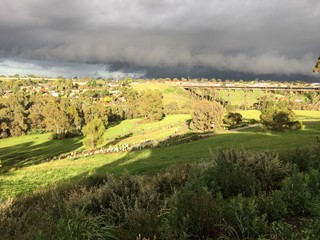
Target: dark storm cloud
(249,36)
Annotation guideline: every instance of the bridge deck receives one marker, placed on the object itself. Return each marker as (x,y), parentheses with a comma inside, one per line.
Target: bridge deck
(248,88)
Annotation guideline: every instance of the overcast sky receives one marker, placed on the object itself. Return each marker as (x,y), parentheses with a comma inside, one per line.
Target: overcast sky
(154,37)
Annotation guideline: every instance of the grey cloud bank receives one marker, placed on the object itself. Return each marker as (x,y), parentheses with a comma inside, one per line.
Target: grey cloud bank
(248,36)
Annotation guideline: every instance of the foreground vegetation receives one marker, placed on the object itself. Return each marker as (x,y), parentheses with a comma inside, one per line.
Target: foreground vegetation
(233,195)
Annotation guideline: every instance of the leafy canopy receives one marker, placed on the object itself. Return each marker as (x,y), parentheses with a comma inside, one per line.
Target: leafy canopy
(207,116)
(278,117)
(93,133)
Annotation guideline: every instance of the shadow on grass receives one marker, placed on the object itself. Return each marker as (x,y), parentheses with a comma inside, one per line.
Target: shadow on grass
(29,153)
(152,160)
(193,147)
(117,140)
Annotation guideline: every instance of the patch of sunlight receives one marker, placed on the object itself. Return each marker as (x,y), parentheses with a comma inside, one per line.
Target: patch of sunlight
(269,134)
(308,113)
(143,155)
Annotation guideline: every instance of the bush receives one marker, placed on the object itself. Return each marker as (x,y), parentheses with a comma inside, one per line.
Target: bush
(253,121)
(56,136)
(300,158)
(278,117)
(172,179)
(273,205)
(131,202)
(171,108)
(77,224)
(242,219)
(192,213)
(18,221)
(295,125)
(296,193)
(301,193)
(245,173)
(311,229)
(36,131)
(232,119)
(282,231)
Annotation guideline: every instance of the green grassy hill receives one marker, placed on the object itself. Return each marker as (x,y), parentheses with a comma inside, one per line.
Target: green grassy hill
(170,93)
(26,168)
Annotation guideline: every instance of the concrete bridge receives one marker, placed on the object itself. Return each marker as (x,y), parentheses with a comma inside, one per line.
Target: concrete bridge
(189,86)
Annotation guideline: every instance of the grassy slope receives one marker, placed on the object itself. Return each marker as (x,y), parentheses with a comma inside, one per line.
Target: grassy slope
(236,97)
(34,149)
(170,93)
(148,161)
(135,130)
(28,150)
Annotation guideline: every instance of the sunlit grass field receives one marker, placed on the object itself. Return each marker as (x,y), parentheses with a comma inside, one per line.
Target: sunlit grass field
(136,130)
(170,93)
(33,149)
(238,96)
(23,157)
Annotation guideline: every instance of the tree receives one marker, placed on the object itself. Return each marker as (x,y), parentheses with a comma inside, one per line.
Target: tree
(150,105)
(207,116)
(13,115)
(278,117)
(36,111)
(232,119)
(316,68)
(171,108)
(57,116)
(94,109)
(131,101)
(93,133)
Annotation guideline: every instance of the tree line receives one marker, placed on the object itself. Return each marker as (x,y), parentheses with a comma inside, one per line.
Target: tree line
(25,113)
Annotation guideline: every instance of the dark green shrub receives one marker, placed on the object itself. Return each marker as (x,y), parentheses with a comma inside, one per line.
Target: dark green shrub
(311,229)
(297,194)
(37,131)
(55,136)
(295,125)
(300,157)
(277,116)
(314,189)
(242,219)
(282,231)
(172,179)
(240,172)
(301,192)
(272,205)
(232,119)
(131,202)
(23,222)
(77,224)
(192,213)
(253,121)
(73,133)
(314,182)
